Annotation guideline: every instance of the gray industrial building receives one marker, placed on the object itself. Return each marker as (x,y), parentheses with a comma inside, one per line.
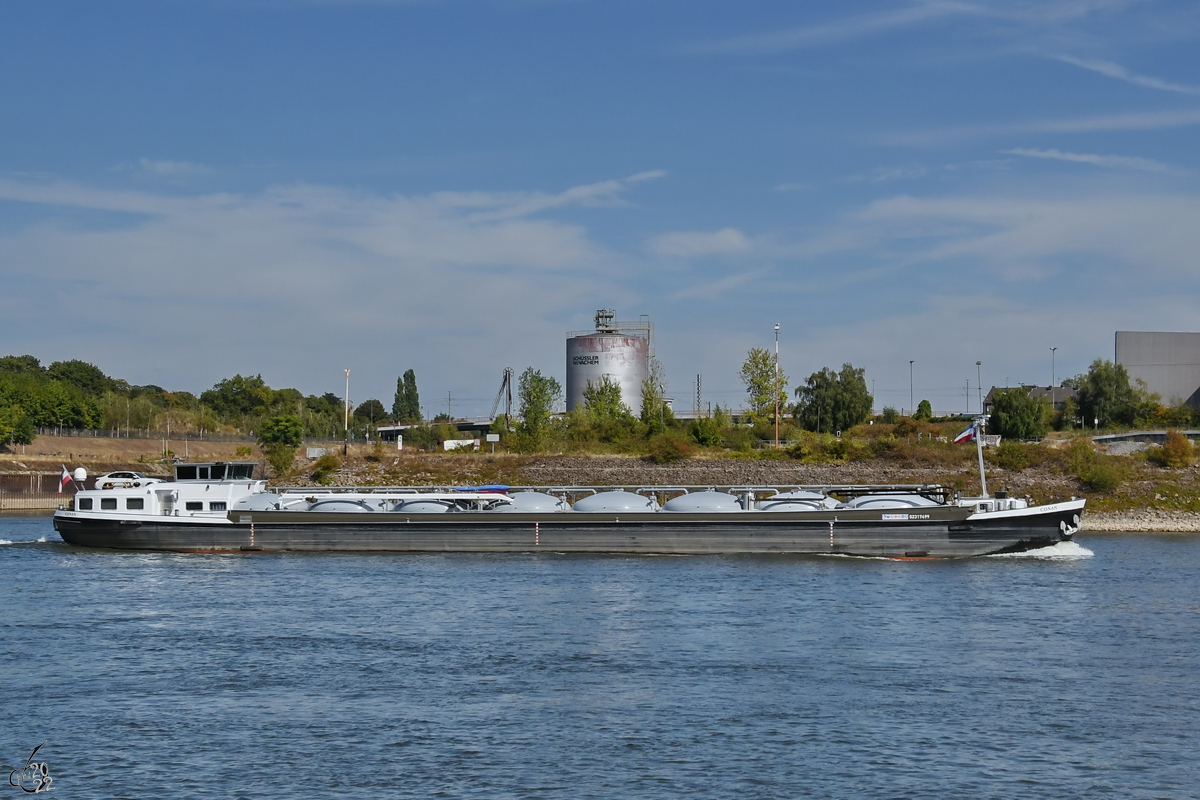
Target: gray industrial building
(1168,362)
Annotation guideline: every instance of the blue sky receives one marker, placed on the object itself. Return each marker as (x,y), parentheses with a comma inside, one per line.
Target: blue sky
(195,188)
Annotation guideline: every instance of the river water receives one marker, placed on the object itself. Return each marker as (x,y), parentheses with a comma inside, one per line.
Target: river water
(1072,673)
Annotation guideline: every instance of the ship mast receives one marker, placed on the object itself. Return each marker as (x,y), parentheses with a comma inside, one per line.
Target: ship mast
(979,423)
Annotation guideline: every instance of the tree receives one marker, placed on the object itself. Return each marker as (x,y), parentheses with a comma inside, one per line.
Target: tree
(834,401)
(279,437)
(16,427)
(766,386)
(1106,395)
(1177,451)
(655,412)
(604,413)
(86,376)
(924,411)
(890,415)
(238,396)
(1016,415)
(372,411)
(22,365)
(407,406)
(603,403)
(538,395)
(706,432)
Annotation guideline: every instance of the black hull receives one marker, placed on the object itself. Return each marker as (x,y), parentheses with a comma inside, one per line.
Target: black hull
(947,533)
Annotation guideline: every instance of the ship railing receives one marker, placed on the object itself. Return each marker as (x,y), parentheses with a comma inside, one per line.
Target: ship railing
(841,491)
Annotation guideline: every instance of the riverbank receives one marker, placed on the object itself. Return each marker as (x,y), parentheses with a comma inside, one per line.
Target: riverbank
(1149,520)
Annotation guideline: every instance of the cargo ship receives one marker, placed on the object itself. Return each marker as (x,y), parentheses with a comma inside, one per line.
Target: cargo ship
(222,507)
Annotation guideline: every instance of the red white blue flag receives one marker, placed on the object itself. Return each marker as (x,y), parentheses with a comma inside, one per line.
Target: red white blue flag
(66,478)
(966,436)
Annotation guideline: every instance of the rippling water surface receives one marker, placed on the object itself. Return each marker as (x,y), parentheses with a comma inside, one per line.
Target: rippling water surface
(1075,673)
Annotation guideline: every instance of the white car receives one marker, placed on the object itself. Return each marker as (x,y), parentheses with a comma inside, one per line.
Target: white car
(124,478)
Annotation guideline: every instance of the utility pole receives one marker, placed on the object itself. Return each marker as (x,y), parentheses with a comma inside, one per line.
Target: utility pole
(776,392)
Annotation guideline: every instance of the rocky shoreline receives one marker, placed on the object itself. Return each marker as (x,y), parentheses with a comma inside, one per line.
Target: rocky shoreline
(1146,520)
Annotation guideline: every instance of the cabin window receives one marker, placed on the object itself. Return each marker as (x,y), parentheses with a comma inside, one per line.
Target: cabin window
(185,473)
(135,503)
(108,504)
(218,506)
(242,471)
(85,504)
(217,472)
(193,506)
(203,473)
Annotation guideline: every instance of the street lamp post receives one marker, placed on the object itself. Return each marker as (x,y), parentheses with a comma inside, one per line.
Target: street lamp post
(979,383)
(910,391)
(346,418)
(662,407)
(1052,376)
(776,385)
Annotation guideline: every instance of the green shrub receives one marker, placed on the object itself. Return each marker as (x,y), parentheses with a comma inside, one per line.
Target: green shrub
(281,457)
(667,448)
(860,450)
(1080,456)
(243,451)
(1013,455)
(706,432)
(324,468)
(838,449)
(1095,471)
(1177,450)
(739,438)
(884,445)
(1102,477)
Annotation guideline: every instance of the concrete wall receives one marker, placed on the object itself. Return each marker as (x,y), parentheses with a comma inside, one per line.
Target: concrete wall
(1169,363)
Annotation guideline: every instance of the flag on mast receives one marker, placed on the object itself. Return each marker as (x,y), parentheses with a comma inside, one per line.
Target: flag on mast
(64,480)
(968,435)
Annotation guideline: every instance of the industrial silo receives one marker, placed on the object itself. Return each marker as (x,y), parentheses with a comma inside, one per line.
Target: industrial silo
(619,350)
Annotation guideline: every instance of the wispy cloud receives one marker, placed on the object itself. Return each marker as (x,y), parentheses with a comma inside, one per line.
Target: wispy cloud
(1110,161)
(1016,235)
(1022,16)
(604,193)
(846,29)
(1134,121)
(173,169)
(1120,73)
(884,174)
(700,243)
(331,272)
